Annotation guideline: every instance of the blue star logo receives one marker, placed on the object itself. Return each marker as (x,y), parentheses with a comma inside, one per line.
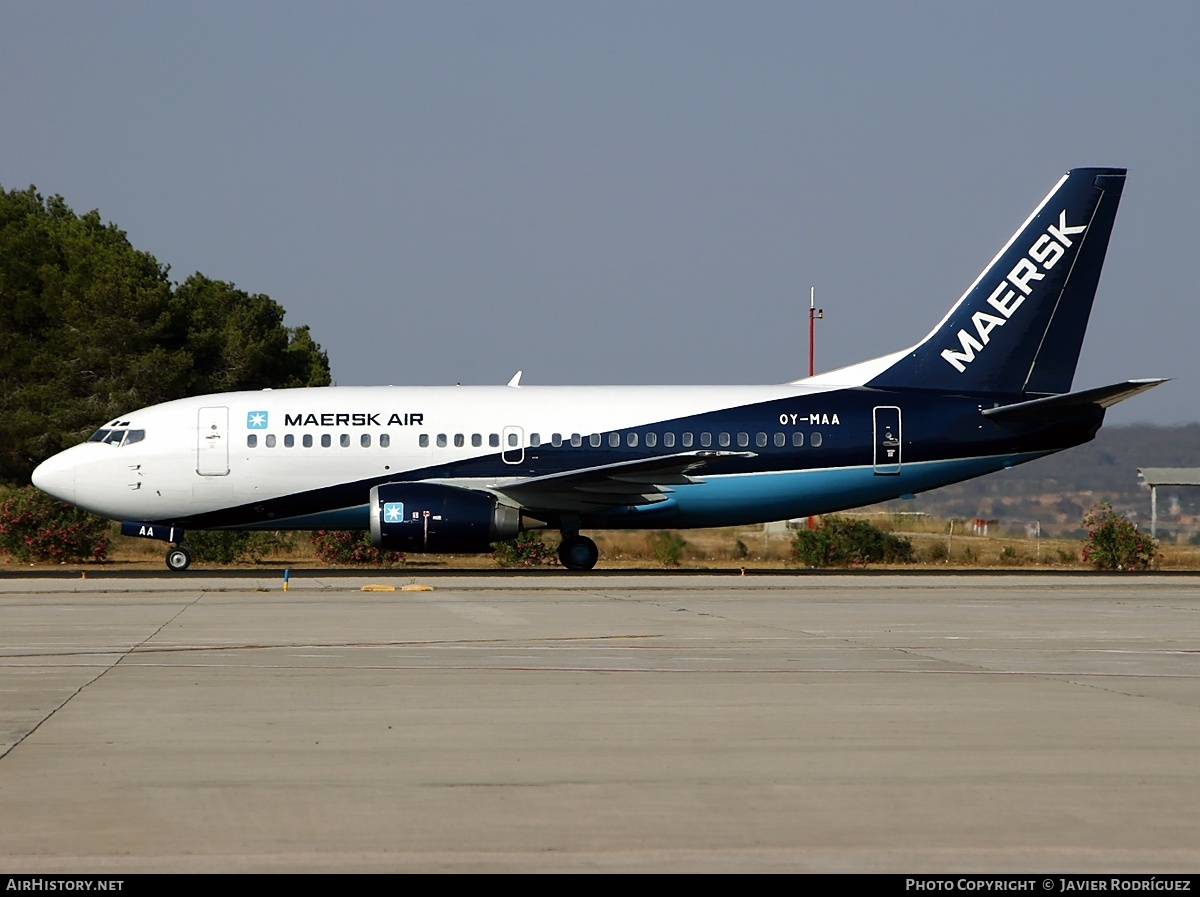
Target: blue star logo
(393,511)
(256,420)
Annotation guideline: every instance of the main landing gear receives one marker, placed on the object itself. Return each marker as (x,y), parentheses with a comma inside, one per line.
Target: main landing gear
(178,558)
(576,552)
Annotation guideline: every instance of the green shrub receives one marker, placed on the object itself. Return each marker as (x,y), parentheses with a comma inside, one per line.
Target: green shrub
(667,548)
(231,546)
(36,527)
(263,543)
(844,542)
(526,550)
(351,547)
(1114,543)
(1011,556)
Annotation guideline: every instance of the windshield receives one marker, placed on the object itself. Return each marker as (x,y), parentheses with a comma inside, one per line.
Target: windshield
(119,435)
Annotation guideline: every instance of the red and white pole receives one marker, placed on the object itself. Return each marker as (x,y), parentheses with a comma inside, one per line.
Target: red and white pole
(813,314)
(812,319)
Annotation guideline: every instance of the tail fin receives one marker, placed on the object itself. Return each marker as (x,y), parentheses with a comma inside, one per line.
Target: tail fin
(1019,328)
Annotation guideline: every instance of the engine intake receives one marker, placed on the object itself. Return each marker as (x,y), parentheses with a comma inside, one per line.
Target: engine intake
(428,517)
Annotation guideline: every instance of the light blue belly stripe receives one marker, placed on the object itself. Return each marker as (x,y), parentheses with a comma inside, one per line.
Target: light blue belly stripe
(747,498)
(744,498)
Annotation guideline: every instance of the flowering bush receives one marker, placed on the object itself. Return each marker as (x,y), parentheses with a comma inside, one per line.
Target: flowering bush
(1114,543)
(351,547)
(526,550)
(36,527)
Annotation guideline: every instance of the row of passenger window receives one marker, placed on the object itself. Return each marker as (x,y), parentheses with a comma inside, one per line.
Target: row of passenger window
(308,440)
(650,440)
(595,440)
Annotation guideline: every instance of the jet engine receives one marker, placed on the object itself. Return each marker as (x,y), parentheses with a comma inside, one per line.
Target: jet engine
(430,517)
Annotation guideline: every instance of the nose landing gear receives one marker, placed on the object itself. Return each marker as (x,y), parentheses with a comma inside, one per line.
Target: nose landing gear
(178,559)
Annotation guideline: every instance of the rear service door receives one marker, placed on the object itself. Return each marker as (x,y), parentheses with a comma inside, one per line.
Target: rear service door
(887,440)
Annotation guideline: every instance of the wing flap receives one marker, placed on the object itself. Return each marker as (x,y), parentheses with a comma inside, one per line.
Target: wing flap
(644,481)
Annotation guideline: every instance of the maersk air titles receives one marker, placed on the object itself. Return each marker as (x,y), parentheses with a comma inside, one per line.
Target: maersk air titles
(352,419)
(457,468)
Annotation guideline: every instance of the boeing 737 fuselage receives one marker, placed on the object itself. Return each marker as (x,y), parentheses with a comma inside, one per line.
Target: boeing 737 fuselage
(454,469)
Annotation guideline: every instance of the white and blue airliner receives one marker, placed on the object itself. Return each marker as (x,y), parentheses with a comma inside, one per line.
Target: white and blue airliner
(454,469)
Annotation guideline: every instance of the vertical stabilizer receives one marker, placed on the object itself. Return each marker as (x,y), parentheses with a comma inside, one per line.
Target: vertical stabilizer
(1019,328)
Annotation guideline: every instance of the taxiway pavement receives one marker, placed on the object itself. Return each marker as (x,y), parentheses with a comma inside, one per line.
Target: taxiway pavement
(618,723)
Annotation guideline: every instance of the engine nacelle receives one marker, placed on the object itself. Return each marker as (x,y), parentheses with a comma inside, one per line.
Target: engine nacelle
(430,517)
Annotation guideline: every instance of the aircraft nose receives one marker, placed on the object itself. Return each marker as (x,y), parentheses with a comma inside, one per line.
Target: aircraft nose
(56,476)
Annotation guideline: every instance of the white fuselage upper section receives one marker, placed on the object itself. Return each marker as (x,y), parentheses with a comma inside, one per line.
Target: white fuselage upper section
(211,452)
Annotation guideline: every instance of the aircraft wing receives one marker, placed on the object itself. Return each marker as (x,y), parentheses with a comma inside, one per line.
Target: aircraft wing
(637,482)
(1101,396)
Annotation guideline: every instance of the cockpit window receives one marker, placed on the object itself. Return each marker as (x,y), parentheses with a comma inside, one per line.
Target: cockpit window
(113,436)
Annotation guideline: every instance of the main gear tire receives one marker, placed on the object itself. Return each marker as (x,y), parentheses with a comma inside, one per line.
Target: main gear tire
(578,553)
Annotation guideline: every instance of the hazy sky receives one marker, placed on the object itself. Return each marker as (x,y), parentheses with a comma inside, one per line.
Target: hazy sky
(621,192)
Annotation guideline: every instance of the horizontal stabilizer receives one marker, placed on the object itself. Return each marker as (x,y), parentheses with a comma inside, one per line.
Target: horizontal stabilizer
(1100,397)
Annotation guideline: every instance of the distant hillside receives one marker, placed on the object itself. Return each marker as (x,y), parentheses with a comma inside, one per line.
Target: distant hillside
(1056,491)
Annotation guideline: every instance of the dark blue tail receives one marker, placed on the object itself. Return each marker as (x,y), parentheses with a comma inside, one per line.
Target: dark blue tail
(1019,328)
